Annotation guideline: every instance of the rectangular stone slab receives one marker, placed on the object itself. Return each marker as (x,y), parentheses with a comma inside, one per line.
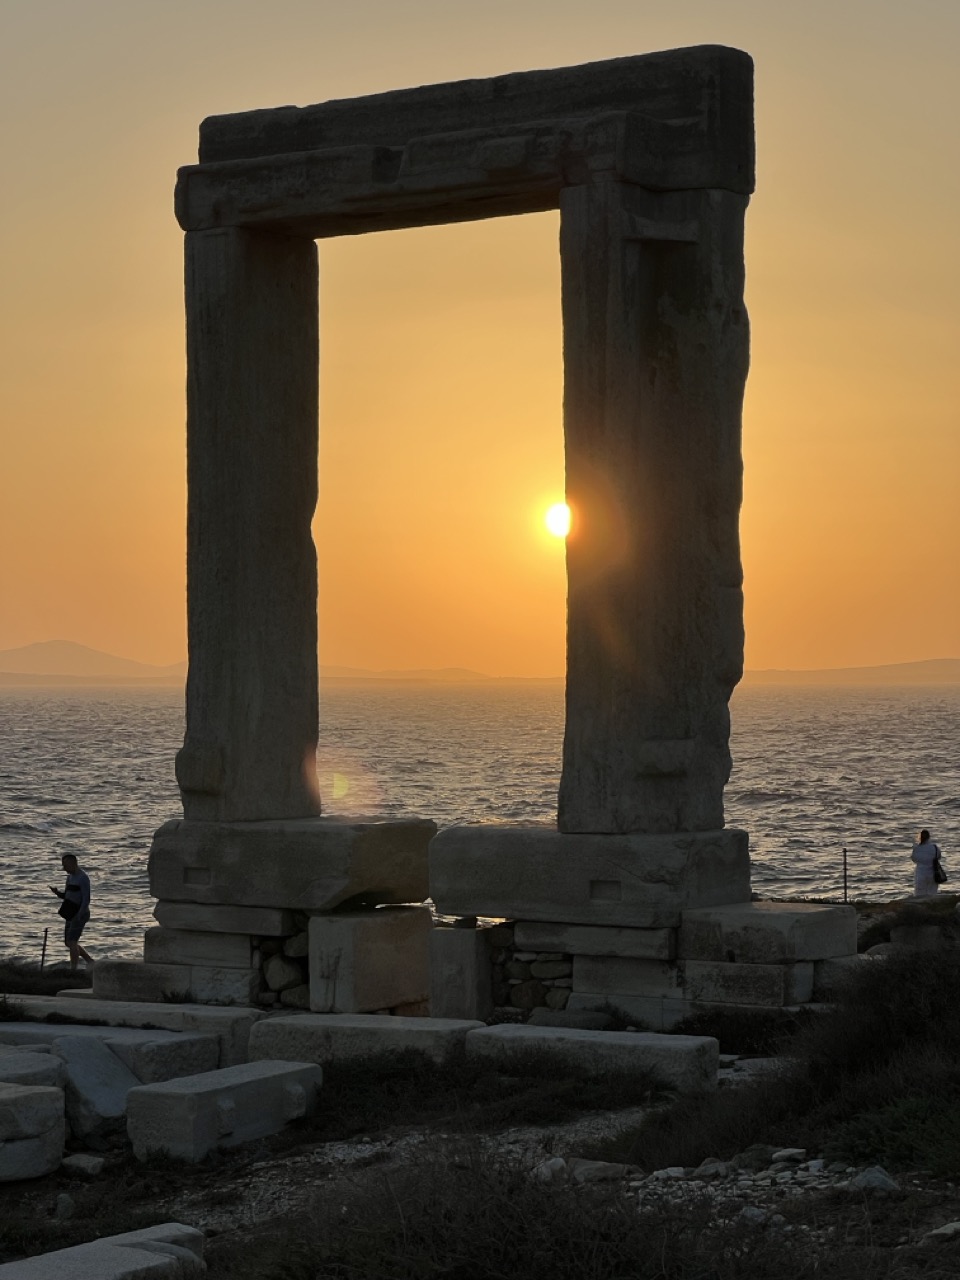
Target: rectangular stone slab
(264,922)
(189,1117)
(151,1055)
(358,1037)
(461,975)
(587,940)
(708,84)
(168,1251)
(762,984)
(686,1063)
(767,932)
(186,983)
(190,946)
(368,960)
(230,1026)
(308,864)
(537,873)
(612,975)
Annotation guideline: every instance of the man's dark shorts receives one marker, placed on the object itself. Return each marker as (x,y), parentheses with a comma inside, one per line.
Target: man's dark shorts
(73,928)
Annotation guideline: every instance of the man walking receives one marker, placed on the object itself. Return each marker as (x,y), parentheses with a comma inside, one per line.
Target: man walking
(76,908)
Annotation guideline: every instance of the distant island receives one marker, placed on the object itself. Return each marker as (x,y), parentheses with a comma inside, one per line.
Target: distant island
(62,662)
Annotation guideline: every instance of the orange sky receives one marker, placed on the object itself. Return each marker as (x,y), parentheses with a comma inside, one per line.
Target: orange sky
(441,347)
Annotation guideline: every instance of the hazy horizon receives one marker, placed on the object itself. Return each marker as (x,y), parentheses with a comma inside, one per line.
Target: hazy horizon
(441,440)
(65,662)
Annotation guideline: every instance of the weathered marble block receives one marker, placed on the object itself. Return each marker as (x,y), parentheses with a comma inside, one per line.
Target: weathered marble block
(187,946)
(535,873)
(767,932)
(262,922)
(188,983)
(359,1037)
(594,940)
(191,1116)
(231,1027)
(761,984)
(368,960)
(686,1063)
(307,864)
(460,974)
(609,975)
(166,1252)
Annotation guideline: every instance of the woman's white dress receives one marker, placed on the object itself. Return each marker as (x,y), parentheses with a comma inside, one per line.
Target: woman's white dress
(924,855)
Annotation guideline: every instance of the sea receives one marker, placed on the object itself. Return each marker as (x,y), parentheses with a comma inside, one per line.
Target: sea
(817,770)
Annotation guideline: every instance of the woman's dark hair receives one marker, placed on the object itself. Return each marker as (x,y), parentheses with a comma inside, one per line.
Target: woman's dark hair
(924,836)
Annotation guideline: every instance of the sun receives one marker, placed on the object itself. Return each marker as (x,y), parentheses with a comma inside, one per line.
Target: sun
(557,519)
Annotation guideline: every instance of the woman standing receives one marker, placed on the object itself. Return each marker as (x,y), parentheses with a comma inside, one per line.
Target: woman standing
(925,854)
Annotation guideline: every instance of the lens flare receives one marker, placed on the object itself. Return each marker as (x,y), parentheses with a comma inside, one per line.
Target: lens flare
(557,519)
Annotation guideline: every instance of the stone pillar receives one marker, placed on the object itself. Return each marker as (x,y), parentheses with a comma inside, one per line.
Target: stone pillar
(252,404)
(655,358)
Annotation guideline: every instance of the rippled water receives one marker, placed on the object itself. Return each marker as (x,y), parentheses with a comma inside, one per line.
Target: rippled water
(91,772)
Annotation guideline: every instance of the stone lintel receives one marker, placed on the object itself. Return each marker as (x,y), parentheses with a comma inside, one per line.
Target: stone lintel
(308,864)
(709,84)
(536,873)
(458,177)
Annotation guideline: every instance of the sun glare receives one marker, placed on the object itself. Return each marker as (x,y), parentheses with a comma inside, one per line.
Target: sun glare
(557,519)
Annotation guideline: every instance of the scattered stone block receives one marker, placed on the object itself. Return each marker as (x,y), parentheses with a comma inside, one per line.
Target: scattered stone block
(595,940)
(187,946)
(297,946)
(31,1068)
(296,997)
(461,981)
(767,932)
(166,1252)
(261,922)
(96,1087)
(750,984)
(164,1056)
(231,1026)
(35,1157)
(611,975)
(686,1063)
(326,1038)
(151,1055)
(313,864)
(29,1110)
(192,1116)
(369,960)
(536,873)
